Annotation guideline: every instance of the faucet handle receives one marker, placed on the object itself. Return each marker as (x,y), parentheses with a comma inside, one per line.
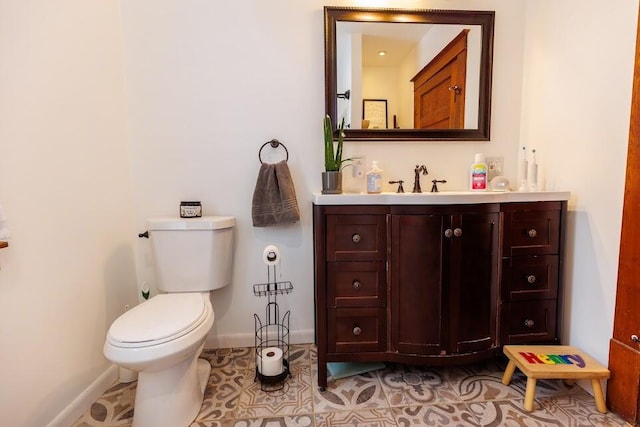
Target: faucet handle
(434,187)
(400,188)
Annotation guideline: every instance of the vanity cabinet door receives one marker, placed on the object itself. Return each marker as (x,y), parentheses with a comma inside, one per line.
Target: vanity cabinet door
(473,282)
(417,268)
(444,281)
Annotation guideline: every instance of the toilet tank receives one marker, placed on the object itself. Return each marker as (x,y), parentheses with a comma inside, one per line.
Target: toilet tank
(192,254)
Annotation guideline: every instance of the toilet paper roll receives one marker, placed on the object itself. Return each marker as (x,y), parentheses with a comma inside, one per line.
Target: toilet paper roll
(269,361)
(271,255)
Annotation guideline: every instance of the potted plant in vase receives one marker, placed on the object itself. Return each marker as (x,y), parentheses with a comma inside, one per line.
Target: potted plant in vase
(332,176)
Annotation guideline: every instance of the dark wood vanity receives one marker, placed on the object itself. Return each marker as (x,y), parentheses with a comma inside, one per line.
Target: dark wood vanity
(435,284)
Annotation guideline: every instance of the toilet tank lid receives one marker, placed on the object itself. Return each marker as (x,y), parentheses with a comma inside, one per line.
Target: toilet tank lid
(201,223)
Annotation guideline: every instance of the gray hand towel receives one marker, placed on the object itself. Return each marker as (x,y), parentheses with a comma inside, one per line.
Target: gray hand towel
(274,198)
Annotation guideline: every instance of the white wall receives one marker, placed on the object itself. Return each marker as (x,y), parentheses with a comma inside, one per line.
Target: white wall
(577,97)
(405,89)
(65,188)
(208,84)
(382,83)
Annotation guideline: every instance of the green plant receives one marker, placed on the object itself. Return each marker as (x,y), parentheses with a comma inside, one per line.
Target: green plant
(333,155)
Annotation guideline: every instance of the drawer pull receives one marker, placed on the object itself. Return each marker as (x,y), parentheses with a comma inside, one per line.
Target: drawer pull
(448,232)
(357,331)
(531,279)
(457,232)
(532,233)
(356,238)
(356,284)
(529,323)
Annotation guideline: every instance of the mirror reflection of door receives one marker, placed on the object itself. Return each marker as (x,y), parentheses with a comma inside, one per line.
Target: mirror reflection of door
(439,88)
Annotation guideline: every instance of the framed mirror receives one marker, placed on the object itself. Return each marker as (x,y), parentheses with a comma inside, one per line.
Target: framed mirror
(431,69)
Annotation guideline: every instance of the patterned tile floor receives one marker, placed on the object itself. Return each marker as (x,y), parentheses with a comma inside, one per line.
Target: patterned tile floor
(398,395)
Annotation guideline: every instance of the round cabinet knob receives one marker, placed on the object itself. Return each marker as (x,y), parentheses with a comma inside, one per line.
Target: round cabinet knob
(529,323)
(635,338)
(357,331)
(531,279)
(448,232)
(356,238)
(457,232)
(356,284)
(532,233)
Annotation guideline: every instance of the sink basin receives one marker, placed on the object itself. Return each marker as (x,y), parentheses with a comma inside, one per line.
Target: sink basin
(441,198)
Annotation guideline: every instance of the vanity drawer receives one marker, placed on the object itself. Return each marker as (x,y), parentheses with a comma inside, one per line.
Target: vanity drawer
(530,321)
(356,330)
(530,277)
(356,284)
(356,238)
(531,228)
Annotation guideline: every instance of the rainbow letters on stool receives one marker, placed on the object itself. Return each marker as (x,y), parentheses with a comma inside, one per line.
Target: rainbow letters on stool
(554,359)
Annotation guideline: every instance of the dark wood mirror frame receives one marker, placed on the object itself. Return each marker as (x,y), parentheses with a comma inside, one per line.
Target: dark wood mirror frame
(485,19)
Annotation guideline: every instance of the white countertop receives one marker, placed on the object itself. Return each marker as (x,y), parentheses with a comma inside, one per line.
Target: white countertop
(442,198)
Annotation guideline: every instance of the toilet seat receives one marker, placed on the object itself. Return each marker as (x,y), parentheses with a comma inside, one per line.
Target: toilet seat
(163,318)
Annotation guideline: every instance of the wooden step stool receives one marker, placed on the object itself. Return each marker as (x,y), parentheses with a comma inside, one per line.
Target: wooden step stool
(554,362)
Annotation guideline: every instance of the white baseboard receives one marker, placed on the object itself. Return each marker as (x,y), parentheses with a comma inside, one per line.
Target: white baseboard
(83,402)
(248,340)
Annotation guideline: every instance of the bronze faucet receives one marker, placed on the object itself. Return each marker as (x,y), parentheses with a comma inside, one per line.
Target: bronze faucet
(416,182)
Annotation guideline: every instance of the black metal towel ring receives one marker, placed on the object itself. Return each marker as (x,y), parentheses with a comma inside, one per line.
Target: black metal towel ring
(275,144)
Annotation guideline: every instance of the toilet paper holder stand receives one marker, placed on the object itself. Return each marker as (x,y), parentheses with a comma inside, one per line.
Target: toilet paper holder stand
(273,332)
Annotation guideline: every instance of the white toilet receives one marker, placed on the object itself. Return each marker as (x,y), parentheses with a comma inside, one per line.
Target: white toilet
(162,338)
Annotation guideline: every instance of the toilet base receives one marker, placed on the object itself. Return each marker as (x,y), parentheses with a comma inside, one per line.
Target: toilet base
(204,372)
(171,397)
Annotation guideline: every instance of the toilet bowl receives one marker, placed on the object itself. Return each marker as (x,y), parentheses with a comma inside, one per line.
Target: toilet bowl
(162,339)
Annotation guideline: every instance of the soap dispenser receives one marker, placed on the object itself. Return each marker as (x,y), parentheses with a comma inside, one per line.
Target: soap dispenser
(374,179)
